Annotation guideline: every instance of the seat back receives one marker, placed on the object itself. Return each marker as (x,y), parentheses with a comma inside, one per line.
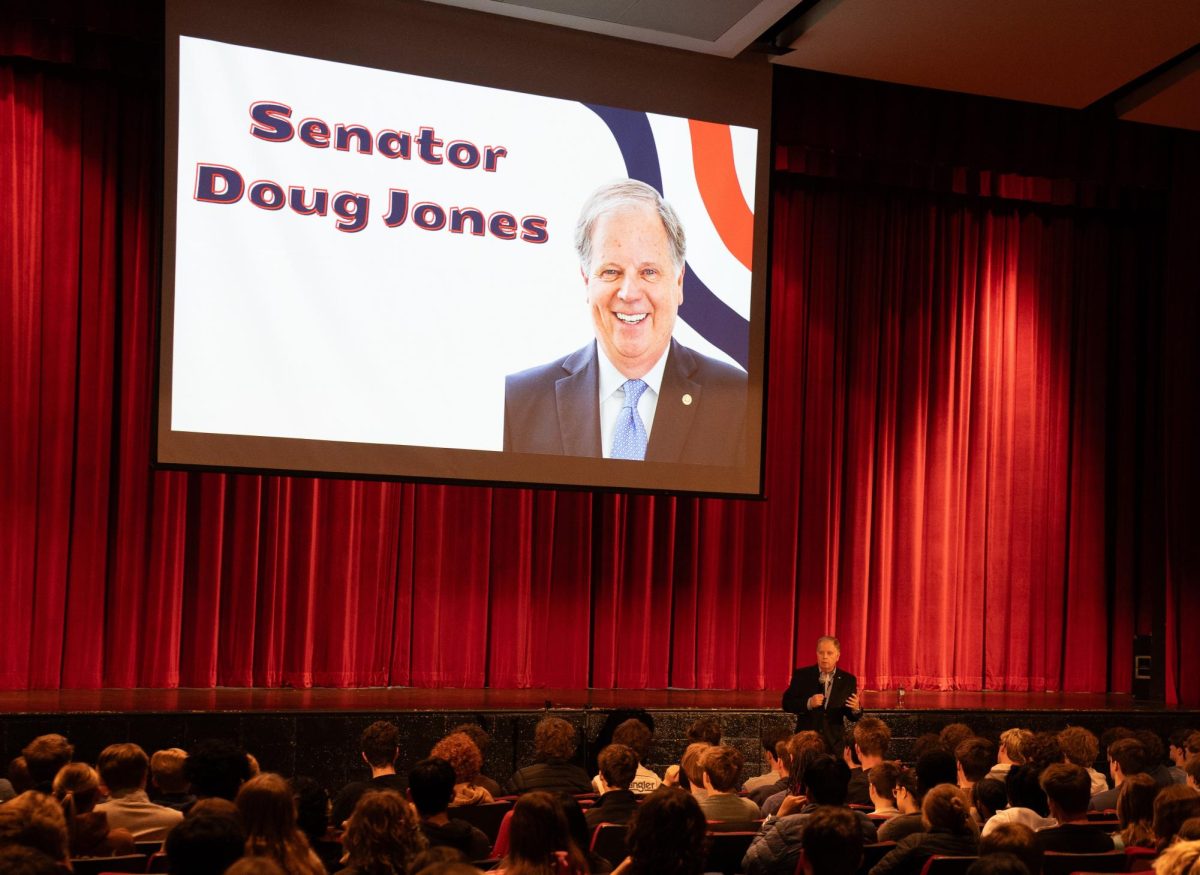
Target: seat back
(608,841)
(872,854)
(1056,863)
(939,864)
(486,818)
(1140,859)
(96,865)
(726,850)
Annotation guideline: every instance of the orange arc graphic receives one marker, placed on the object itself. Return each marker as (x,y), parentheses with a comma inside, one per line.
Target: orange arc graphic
(716,177)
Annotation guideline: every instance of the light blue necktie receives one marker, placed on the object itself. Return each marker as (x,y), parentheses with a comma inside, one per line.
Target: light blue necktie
(629,437)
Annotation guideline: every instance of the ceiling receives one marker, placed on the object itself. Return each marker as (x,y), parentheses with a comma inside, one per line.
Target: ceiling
(1140,58)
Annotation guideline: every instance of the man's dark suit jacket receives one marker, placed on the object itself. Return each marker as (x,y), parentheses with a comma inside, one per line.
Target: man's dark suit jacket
(554,409)
(827,720)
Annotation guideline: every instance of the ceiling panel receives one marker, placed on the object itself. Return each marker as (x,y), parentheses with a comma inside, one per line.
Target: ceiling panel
(1176,107)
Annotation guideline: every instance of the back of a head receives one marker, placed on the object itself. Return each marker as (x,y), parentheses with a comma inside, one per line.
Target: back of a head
(431,786)
(204,844)
(618,766)
(267,810)
(166,768)
(1181,858)
(256,866)
(538,829)
(833,842)
(383,831)
(460,752)
(1016,839)
(18,775)
(1135,800)
(976,755)
(1189,830)
(455,868)
(999,864)
(666,834)
(1014,741)
(872,737)
(554,739)
(82,782)
(1024,789)
(312,806)
(477,734)
(826,779)
(123,767)
(946,807)
(20,860)
(216,767)
(955,734)
(1191,768)
(1067,786)
(884,778)
(1153,746)
(635,735)
(936,766)
(380,742)
(1129,754)
(689,763)
(1042,751)
(437,855)
(1079,746)
(706,729)
(723,766)
(45,755)
(35,820)
(1173,805)
(988,796)
(925,743)
(802,749)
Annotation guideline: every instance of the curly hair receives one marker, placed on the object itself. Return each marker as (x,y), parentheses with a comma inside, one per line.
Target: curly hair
(383,835)
(554,739)
(802,749)
(36,821)
(1079,746)
(380,742)
(461,752)
(269,814)
(45,755)
(667,834)
(634,734)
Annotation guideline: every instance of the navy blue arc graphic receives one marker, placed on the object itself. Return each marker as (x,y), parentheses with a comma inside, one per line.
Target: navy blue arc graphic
(712,318)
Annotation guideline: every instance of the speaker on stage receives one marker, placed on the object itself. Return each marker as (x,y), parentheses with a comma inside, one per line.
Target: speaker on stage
(1143,667)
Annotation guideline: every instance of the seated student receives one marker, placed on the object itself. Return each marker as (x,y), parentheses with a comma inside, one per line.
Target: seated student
(34,820)
(988,796)
(431,787)
(1081,748)
(1177,752)
(1125,757)
(618,766)
(720,768)
(77,787)
(18,860)
(379,746)
(216,769)
(1066,786)
(382,834)
(998,864)
(205,844)
(635,735)
(975,757)
(1191,770)
(833,843)
(870,740)
(949,831)
(881,787)
(779,774)
(774,776)
(1016,839)
(540,838)
(581,834)
(955,734)
(688,775)
(1009,755)
(936,766)
(554,745)
(123,770)
(666,836)
(1182,858)
(802,749)
(776,849)
(1135,813)
(168,786)
(705,731)
(1173,805)
(43,757)
(482,741)
(1026,802)
(461,753)
(1156,753)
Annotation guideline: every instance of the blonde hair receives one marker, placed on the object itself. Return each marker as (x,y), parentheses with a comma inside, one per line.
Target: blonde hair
(36,821)
(1013,742)
(1179,859)
(269,814)
(167,768)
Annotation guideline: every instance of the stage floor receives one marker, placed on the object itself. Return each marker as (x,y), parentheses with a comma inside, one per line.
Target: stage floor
(401,699)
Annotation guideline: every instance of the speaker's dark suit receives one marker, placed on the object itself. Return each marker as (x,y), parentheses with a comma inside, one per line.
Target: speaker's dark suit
(827,720)
(700,418)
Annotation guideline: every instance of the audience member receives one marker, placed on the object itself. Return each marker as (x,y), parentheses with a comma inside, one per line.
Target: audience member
(635,735)
(1191,770)
(802,749)
(256,866)
(312,818)
(1027,803)
(540,841)
(1082,748)
(975,757)
(77,789)
(935,767)
(19,860)
(707,732)
(706,729)
(690,775)
(205,844)
(1156,768)
(1125,757)
(1172,806)
(949,831)
(774,778)
(35,820)
(720,768)
(833,843)
(1182,858)
(618,766)
(882,781)
(123,772)
(1108,738)
(554,745)
(1042,751)
(870,740)
(482,741)
(988,796)
(1189,831)
(1177,751)
(379,747)
(925,743)
(955,734)
(1067,786)
(216,768)
(269,815)
(434,856)
(1016,839)
(461,753)
(18,776)
(168,785)
(666,836)
(431,787)
(383,835)
(44,756)
(1009,754)
(6,790)
(581,834)
(998,864)
(213,806)
(1135,813)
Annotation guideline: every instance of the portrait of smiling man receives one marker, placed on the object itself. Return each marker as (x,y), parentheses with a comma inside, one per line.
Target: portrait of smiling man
(634,392)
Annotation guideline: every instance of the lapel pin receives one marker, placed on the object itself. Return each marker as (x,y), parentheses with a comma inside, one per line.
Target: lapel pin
(687,400)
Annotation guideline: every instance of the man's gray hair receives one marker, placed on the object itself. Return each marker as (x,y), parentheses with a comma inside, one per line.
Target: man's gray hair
(837,644)
(628,193)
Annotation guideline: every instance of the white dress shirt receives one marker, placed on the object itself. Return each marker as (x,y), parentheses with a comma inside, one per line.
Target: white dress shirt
(612,397)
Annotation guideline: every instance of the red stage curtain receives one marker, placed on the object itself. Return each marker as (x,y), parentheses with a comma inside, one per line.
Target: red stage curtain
(970,468)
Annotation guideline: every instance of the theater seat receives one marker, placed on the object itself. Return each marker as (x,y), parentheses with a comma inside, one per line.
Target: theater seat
(485,818)
(96,865)
(946,865)
(608,841)
(726,850)
(1056,863)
